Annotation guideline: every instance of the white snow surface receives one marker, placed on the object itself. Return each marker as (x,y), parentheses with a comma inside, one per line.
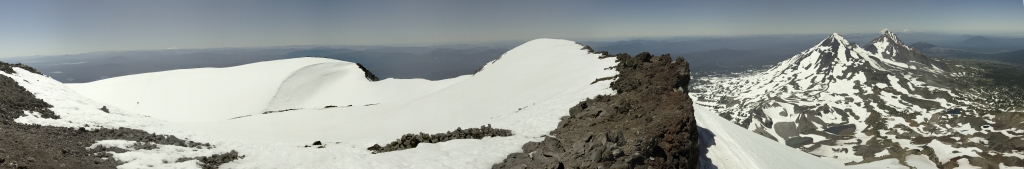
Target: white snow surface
(527,90)
(202,94)
(731,146)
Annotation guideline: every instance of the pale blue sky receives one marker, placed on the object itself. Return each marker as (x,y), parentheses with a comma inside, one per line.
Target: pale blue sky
(47,27)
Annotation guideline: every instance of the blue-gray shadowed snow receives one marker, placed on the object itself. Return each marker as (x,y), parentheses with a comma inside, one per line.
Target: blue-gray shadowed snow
(707,139)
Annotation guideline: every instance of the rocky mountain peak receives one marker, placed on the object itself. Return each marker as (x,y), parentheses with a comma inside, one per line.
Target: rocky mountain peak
(834,40)
(890,48)
(888,36)
(830,100)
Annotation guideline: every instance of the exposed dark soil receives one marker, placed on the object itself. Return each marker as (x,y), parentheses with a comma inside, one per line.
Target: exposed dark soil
(649,123)
(35,146)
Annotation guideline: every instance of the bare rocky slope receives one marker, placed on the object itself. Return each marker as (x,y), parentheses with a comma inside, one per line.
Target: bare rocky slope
(36,146)
(649,123)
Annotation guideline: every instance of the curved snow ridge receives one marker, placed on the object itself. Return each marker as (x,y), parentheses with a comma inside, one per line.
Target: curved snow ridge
(202,94)
(343,84)
(526,91)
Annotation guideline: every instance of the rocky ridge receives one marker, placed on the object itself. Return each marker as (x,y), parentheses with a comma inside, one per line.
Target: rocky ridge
(649,123)
(367,73)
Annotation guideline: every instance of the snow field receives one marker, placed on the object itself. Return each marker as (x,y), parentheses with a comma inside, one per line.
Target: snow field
(527,90)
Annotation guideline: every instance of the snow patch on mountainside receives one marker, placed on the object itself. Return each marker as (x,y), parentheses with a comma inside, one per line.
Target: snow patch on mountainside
(730,146)
(854,105)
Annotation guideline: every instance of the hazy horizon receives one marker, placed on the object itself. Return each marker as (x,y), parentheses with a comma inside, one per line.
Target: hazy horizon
(62,27)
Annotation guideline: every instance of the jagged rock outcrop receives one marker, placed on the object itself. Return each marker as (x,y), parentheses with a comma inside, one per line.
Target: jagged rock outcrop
(367,73)
(649,123)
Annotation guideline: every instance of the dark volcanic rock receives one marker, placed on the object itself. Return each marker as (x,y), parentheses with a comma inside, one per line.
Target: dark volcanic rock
(15,99)
(649,123)
(369,76)
(408,141)
(214,161)
(9,68)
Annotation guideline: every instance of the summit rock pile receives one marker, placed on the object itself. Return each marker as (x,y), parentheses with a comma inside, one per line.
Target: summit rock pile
(649,123)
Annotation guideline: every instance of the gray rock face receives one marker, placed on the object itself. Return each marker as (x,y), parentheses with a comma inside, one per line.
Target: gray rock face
(648,124)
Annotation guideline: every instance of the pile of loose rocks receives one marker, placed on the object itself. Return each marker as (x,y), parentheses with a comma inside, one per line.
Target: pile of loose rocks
(408,141)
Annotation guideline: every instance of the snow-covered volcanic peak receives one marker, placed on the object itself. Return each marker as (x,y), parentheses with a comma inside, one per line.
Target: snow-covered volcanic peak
(268,110)
(212,94)
(890,48)
(846,103)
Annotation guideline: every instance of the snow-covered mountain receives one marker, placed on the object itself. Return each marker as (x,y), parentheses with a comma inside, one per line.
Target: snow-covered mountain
(214,94)
(271,111)
(855,104)
(526,91)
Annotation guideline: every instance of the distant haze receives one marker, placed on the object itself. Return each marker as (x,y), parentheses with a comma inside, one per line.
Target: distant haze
(66,27)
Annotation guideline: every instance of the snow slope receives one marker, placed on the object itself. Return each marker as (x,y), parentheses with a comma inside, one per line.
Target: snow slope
(726,145)
(202,94)
(78,111)
(527,90)
(212,94)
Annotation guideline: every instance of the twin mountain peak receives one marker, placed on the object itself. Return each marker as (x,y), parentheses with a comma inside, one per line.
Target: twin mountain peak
(887,52)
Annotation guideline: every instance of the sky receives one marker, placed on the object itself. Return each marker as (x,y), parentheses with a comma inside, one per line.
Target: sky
(51,27)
